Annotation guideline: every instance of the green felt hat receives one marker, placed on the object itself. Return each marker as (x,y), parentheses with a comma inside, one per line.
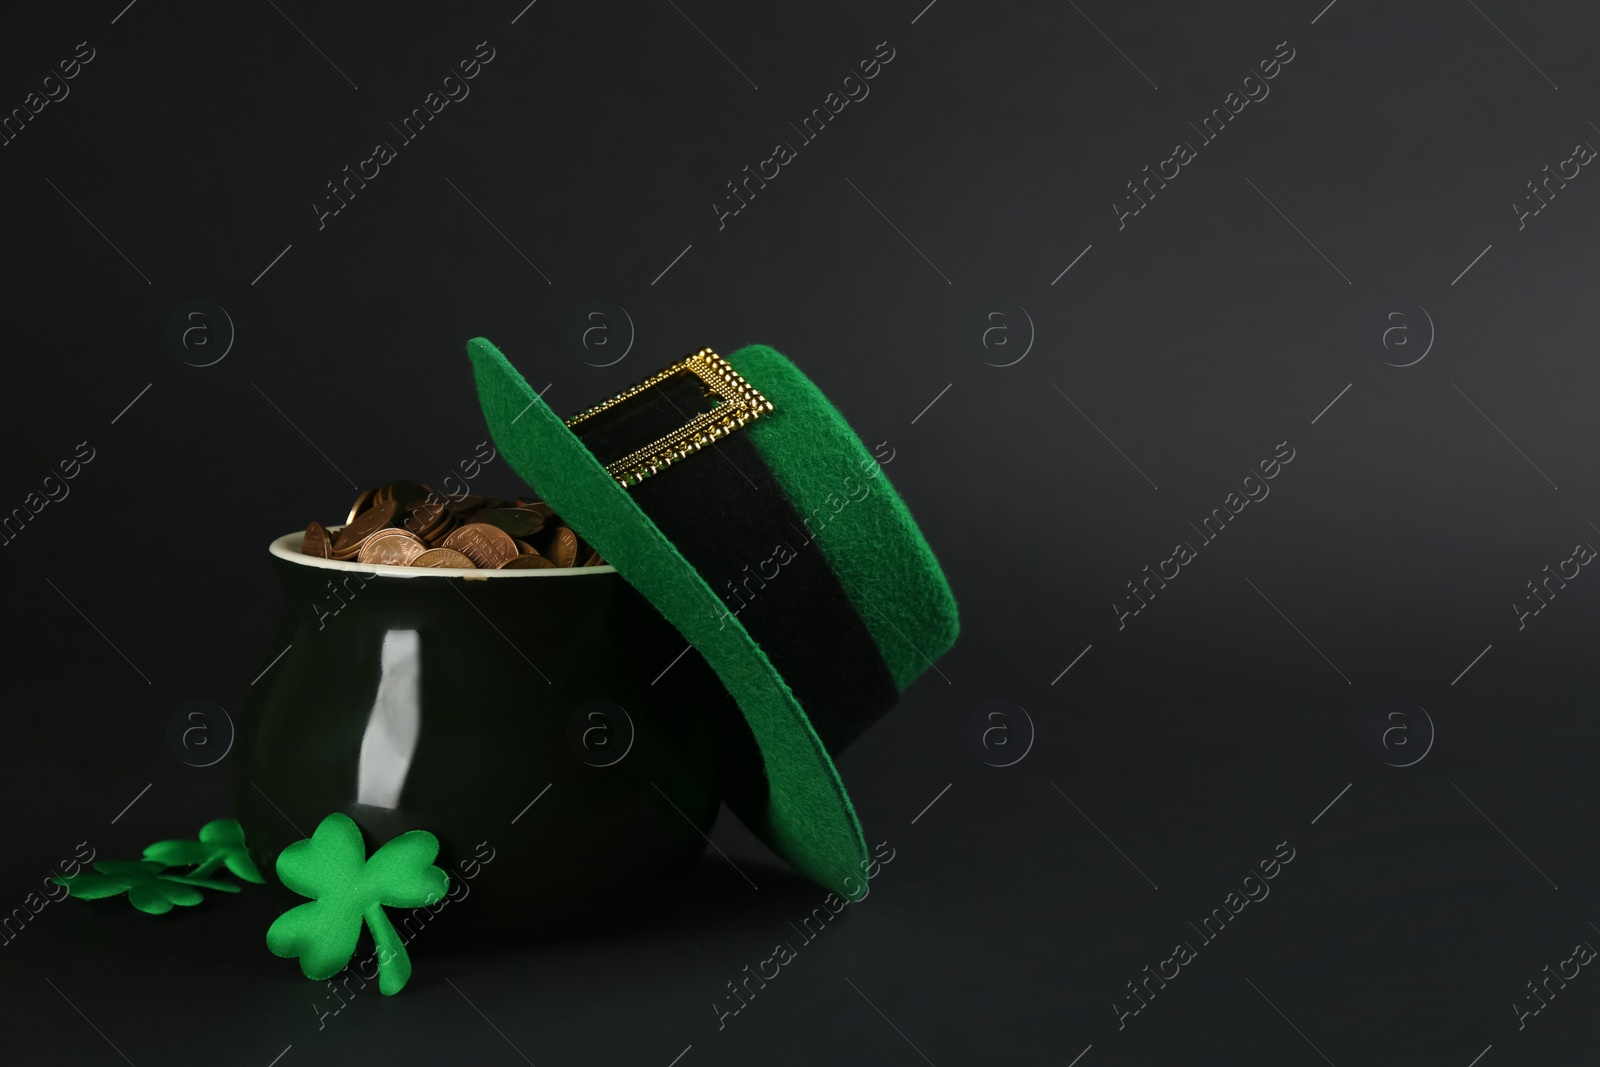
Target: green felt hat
(737,500)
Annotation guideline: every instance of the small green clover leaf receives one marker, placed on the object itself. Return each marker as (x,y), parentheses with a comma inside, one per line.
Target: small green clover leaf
(345,888)
(221,844)
(149,888)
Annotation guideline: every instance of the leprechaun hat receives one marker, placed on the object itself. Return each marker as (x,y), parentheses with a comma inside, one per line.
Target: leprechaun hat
(735,497)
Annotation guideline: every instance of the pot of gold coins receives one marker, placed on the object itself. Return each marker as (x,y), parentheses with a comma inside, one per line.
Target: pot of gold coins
(468,666)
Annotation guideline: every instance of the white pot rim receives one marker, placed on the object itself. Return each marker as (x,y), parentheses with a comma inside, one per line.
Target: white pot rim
(287,548)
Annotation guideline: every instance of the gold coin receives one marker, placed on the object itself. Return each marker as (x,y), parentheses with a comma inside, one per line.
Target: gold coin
(316,542)
(404,523)
(363,502)
(537,505)
(397,548)
(407,494)
(562,548)
(518,522)
(369,522)
(487,546)
(429,519)
(443,557)
(526,562)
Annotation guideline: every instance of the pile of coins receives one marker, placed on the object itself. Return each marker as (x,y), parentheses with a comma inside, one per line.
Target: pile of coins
(404,524)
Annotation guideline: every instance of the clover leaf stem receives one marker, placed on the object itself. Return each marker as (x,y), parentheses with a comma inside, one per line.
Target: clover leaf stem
(394,965)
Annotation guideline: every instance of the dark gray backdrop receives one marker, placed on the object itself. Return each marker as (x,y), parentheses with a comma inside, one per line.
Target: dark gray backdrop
(1344,272)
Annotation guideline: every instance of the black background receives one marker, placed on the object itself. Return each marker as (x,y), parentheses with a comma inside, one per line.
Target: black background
(1220,721)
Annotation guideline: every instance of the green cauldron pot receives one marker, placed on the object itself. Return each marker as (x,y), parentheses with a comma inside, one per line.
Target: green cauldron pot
(526,718)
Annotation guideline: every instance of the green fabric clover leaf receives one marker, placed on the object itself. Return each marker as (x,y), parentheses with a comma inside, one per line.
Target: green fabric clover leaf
(221,844)
(149,887)
(346,888)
